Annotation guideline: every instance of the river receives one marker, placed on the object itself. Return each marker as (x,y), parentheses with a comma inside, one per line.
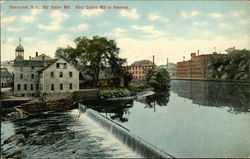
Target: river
(194,119)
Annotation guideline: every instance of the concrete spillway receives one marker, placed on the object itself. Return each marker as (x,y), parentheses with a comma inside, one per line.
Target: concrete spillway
(134,142)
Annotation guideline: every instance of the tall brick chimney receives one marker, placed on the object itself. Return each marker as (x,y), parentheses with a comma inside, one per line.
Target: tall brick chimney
(36,54)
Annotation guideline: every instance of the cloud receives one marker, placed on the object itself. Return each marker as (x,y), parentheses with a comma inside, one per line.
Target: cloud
(80,27)
(130,14)
(170,48)
(189,14)
(224,26)
(118,32)
(91,12)
(155,17)
(216,15)
(6,20)
(238,13)
(200,23)
(14,29)
(35,11)
(27,19)
(30,18)
(57,17)
(150,30)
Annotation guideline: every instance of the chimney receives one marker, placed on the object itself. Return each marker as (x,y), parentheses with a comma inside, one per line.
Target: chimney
(36,54)
(198,52)
(30,57)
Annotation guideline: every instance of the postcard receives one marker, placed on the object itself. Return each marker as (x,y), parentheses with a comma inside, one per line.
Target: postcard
(125,79)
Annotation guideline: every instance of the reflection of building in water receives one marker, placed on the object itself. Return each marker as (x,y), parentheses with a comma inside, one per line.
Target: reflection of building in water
(196,68)
(235,95)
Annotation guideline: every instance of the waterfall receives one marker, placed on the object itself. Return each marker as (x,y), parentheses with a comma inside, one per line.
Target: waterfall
(134,142)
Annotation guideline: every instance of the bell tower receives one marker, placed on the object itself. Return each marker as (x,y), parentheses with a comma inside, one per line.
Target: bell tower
(19,51)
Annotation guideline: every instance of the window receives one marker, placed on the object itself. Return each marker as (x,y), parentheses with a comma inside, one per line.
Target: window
(65,65)
(52,87)
(32,67)
(37,86)
(21,76)
(70,86)
(70,74)
(57,65)
(25,87)
(31,87)
(61,86)
(21,68)
(43,57)
(61,74)
(18,87)
(52,74)
(32,76)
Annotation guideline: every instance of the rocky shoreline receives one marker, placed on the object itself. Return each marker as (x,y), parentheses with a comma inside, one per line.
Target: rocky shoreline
(34,106)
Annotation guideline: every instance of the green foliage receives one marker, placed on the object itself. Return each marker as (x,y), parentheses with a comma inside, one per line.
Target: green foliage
(138,85)
(113,92)
(92,55)
(235,66)
(158,79)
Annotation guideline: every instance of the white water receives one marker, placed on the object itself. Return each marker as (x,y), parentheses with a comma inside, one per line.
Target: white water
(118,149)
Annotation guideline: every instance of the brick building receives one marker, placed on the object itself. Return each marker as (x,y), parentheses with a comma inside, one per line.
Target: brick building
(196,68)
(139,72)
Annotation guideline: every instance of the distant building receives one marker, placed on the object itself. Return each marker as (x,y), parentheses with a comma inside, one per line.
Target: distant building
(138,72)
(34,76)
(6,78)
(196,68)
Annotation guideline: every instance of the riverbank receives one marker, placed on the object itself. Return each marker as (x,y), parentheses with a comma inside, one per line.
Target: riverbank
(212,80)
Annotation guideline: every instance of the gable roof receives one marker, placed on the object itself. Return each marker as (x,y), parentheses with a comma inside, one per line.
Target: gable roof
(55,60)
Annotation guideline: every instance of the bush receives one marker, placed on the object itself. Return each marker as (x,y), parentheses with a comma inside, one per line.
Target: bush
(113,92)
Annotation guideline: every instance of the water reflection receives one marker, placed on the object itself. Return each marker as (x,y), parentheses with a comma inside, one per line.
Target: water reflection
(115,110)
(158,99)
(215,94)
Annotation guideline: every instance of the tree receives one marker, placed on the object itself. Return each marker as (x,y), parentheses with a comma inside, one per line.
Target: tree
(235,66)
(159,79)
(93,55)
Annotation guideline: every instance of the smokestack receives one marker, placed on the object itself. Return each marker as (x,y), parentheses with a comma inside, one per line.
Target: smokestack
(30,57)
(153,61)
(36,54)
(183,58)
(198,52)
(167,63)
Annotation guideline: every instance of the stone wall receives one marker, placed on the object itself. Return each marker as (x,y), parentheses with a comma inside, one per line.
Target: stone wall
(56,96)
(85,94)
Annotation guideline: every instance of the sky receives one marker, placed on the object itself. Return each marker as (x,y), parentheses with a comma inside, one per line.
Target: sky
(167,29)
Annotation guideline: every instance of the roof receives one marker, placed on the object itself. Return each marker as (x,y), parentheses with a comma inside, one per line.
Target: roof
(29,63)
(52,62)
(19,48)
(40,57)
(5,73)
